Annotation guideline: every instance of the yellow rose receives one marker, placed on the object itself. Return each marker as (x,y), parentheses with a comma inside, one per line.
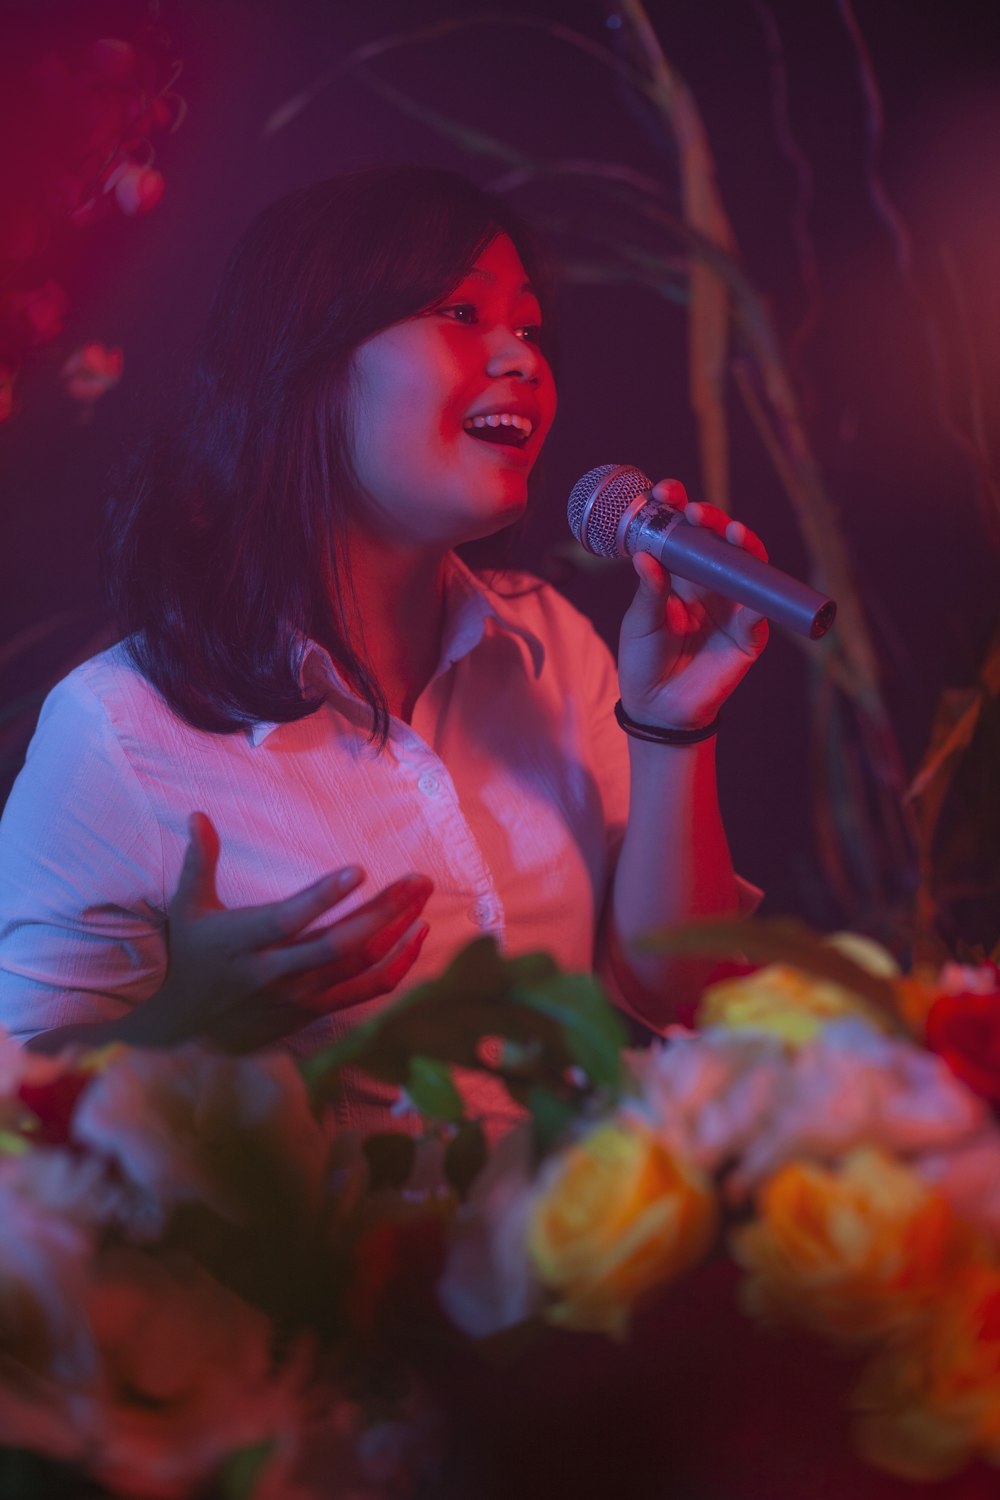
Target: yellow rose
(931,1404)
(617,1215)
(783,1001)
(852,1253)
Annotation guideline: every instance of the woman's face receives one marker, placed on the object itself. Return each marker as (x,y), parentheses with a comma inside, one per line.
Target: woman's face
(452,407)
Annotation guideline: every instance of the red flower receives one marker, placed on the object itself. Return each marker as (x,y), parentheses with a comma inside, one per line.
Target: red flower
(91,371)
(397,1264)
(8,400)
(53,1104)
(137,189)
(964,1030)
(114,59)
(40,312)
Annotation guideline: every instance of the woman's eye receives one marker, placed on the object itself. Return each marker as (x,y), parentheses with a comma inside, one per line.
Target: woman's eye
(531,333)
(460,312)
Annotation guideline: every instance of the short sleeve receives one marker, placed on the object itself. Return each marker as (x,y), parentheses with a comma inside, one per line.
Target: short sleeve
(590,678)
(82,906)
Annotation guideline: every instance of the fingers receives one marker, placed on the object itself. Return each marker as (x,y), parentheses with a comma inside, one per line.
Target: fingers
(355,942)
(278,921)
(196,885)
(670,492)
(654,579)
(380,979)
(749,631)
(742,536)
(645,613)
(714,519)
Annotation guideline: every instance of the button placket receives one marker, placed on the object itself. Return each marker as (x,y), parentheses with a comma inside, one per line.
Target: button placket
(429,776)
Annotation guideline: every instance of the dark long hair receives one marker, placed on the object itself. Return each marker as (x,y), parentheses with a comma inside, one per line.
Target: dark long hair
(221,549)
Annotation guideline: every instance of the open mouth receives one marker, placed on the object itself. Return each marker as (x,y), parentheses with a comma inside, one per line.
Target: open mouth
(500,427)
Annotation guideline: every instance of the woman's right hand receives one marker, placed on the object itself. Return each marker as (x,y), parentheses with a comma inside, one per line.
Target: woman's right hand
(246,977)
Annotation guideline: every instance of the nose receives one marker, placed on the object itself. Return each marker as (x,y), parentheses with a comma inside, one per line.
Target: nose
(511,356)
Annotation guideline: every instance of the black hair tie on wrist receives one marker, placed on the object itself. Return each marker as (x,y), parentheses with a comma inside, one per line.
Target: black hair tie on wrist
(658,736)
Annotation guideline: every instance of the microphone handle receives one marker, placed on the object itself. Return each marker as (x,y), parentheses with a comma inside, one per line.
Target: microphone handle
(704,557)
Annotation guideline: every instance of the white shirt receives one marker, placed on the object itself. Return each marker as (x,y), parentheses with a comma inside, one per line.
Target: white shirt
(509,788)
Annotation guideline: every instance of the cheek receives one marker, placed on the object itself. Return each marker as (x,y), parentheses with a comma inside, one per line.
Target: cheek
(550,405)
(417,407)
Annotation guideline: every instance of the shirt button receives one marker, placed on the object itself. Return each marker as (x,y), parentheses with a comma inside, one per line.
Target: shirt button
(429,784)
(481,913)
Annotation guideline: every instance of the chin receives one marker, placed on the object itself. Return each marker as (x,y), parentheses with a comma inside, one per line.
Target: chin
(502,515)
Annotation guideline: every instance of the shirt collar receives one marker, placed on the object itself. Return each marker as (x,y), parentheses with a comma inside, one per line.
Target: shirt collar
(470,604)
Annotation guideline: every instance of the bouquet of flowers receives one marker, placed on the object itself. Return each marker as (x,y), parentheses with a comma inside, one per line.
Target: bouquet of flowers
(205,1290)
(175,1281)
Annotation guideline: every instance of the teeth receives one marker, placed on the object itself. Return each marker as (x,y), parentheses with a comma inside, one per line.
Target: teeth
(501,419)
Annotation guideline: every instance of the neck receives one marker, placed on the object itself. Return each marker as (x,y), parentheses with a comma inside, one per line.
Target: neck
(396,620)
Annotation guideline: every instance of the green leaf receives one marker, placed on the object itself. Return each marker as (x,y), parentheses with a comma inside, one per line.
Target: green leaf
(241,1471)
(32,1476)
(390,1159)
(778,940)
(550,1115)
(595,1035)
(465,1156)
(520,1059)
(549,1022)
(432,1090)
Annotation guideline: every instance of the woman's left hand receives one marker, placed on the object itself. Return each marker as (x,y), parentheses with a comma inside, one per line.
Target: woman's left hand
(683,648)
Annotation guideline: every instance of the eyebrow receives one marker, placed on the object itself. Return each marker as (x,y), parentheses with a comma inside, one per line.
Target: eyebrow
(489,277)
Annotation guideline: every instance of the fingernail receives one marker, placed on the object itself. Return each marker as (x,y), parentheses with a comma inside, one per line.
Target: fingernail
(349,875)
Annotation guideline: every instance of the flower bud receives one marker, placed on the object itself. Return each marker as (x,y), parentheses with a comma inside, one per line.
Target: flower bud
(138,189)
(91,371)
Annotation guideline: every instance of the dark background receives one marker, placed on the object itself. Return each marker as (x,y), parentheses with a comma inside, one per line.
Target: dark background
(919,537)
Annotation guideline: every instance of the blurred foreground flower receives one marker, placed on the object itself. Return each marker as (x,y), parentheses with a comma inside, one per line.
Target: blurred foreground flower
(780,1000)
(39,312)
(137,189)
(616,1214)
(202,1279)
(963,1027)
(91,371)
(8,400)
(188,1369)
(854,1253)
(931,1403)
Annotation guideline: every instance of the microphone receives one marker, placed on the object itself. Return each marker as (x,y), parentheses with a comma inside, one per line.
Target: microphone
(611,514)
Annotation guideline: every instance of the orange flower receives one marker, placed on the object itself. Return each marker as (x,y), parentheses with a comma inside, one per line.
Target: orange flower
(189,1374)
(618,1214)
(931,1404)
(852,1253)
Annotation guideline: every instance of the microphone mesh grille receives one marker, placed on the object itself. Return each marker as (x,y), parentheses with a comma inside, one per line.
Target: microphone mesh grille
(619,485)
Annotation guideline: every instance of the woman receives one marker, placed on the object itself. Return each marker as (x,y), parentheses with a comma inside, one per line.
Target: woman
(312,673)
